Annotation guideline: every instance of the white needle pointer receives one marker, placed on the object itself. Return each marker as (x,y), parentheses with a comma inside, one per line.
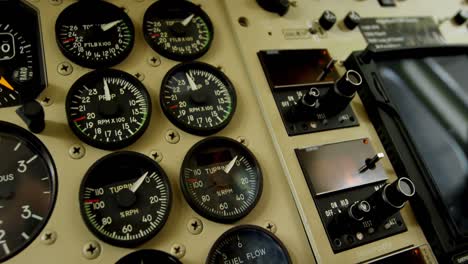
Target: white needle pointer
(107,95)
(138,183)
(110,25)
(193,85)
(228,167)
(187,20)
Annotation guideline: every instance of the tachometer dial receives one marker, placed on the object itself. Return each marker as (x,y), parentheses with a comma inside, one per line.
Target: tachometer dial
(198,98)
(178,30)
(94,34)
(108,109)
(221,179)
(22,76)
(27,189)
(125,199)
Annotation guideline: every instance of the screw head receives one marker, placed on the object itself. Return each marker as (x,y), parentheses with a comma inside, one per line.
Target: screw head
(140,76)
(91,250)
(195,226)
(55,2)
(178,250)
(154,61)
(270,226)
(48,237)
(156,155)
(172,136)
(46,100)
(65,68)
(77,151)
(243,140)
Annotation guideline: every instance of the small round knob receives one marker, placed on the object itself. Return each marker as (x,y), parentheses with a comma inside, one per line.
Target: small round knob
(33,115)
(460,17)
(281,7)
(348,84)
(352,20)
(399,192)
(359,210)
(311,98)
(327,20)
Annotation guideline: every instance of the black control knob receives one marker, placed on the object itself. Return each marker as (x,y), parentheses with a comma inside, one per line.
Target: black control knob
(352,20)
(461,17)
(359,210)
(344,90)
(327,20)
(281,7)
(33,115)
(306,106)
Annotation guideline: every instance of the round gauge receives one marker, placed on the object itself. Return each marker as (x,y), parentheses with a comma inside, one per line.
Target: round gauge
(94,34)
(221,179)
(22,76)
(108,109)
(178,30)
(198,98)
(28,187)
(149,256)
(125,199)
(248,244)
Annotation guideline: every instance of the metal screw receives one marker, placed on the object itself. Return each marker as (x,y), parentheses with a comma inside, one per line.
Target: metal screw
(65,68)
(140,76)
(178,250)
(293,3)
(270,226)
(154,61)
(243,141)
(156,155)
(48,237)
(172,136)
(46,101)
(195,226)
(91,250)
(55,2)
(77,151)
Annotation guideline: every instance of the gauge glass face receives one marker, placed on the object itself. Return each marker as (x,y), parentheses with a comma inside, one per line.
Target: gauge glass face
(178,30)
(22,75)
(248,244)
(108,109)
(198,98)
(149,256)
(95,34)
(27,189)
(125,199)
(221,179)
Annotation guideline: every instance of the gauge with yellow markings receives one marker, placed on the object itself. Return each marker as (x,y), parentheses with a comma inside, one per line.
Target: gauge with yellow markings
(125,199)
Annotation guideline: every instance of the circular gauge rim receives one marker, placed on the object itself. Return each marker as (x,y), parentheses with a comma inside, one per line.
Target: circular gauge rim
(95,64)
(220,75)
(170,55)
(37,145)
(194,205)
(154,252)
(255,228)
(108,145)
(120,243)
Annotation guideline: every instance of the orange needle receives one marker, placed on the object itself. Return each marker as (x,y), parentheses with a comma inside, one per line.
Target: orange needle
(5,83)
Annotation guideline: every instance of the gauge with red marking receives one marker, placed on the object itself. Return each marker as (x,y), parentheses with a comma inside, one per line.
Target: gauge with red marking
(95,34)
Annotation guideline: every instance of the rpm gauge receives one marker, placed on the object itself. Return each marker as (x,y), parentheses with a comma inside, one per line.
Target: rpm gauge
(94,34)
(28,186)
(178,30)
(198,98)
(221,179)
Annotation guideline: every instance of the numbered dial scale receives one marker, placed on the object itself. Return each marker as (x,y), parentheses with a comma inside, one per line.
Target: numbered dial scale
(94,34)
(125,199)
(28,187)
(108,109)
(22,76)
(221,179)
(248,244)
(198,98)
(178,30)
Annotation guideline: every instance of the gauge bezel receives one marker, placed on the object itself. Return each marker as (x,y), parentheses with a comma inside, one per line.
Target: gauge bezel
(89,6)
(170,55)
(99,74)
(154,254)
(229,232)
(36,145)
(121,243)
(195,206)
(203,131)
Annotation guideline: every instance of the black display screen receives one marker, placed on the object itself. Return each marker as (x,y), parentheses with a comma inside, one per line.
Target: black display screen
(210,158)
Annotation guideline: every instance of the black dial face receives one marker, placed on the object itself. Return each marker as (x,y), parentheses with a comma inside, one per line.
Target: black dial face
(27,189)
(22,75)
(95,34)
(198,98)
(221,179)
(108,109)
(148,256)
(178,30)
(248,244)
(125,199)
